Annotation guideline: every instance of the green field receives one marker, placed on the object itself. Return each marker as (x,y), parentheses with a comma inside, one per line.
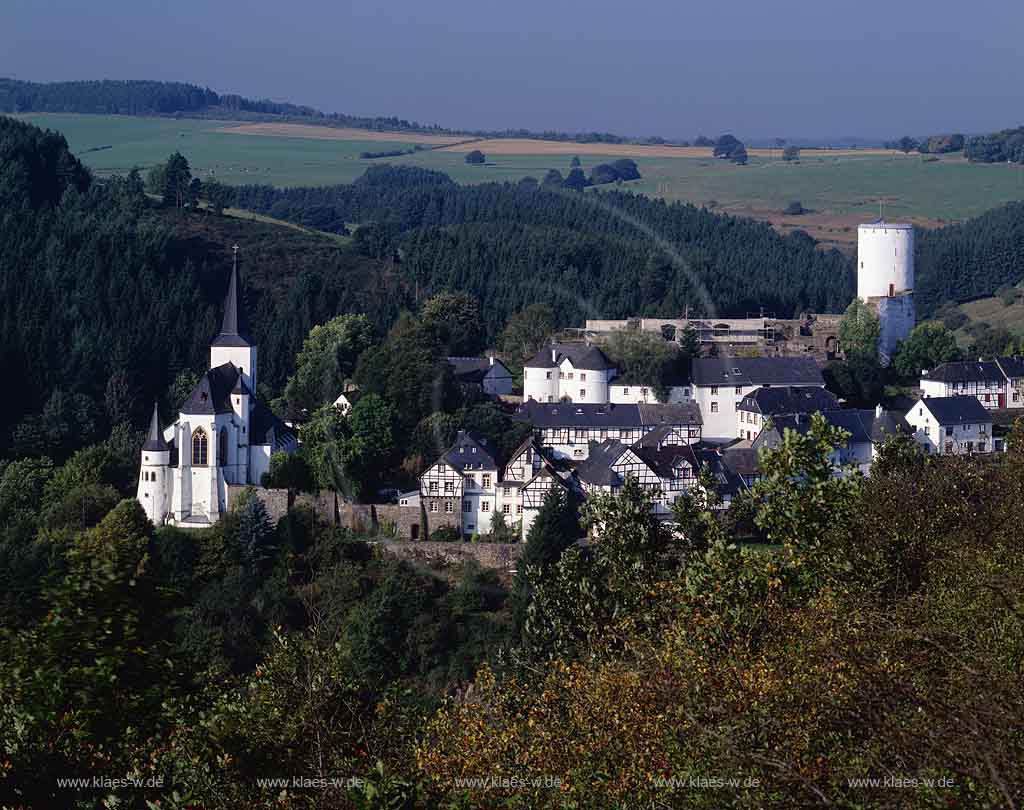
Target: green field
(832,186)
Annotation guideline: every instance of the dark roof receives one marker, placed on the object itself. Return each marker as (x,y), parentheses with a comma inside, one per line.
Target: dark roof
(965,371)
(727,480)
(473,369)
(1011,366)
(581,355)
(659,436)
(681,413)
(663,460)
(266,428)
(569,414)
(788,399)
(597,469)
(756,371)
(742,460)
(471,451)
(862,425)
(155,439)
(957,410)
(234,330)
(212,393)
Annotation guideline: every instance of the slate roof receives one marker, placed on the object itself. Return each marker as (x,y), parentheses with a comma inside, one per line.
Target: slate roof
(658,436)
(742,460)
(581,355)
(597,469)
(593,415)
(957,410)
(727,480)
(212,393)
(234,330)
(965,371)
(1011,366)
(788,399)
(664,460)
(473,369)
(681,413)
(155,439)
(265,428)
(756,371)
(862,425)
(471,451)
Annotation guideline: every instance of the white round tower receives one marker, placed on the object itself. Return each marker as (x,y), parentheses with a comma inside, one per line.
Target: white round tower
(885,279)
(154,484)
(885,260)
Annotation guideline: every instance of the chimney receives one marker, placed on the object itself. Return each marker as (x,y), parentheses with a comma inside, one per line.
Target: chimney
(491,358)
(554,354)
(878,411)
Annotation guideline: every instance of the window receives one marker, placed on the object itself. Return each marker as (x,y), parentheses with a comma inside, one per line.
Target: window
(714,390)
(981,447)
(561,375)
(448,508)
(485,506)
(487,480)
(583,377)
(473,450)
(470,481)
(433,487)
(570,375)
(714,407)
(506,509)
(577,454)
(433,506)
(583,393)
(739,389)
(199,447)
(467,506)
(519,509)
(449,487)
(625,391)
(549,375)
(694,433)
(949,430)
(643,392)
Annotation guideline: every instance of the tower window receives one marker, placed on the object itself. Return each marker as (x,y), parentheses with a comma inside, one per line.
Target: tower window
(200,445)
(222,447)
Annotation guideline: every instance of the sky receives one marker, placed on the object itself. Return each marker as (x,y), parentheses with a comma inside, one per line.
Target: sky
(674,68)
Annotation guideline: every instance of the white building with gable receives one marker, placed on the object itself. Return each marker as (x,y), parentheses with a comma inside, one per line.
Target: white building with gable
(568,372)
(952,425)
(223,433)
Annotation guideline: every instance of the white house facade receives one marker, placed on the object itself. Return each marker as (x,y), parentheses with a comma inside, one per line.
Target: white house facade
(223,434)
(720,385)
(568,372)
(958,425)
(997,383)
(488,374)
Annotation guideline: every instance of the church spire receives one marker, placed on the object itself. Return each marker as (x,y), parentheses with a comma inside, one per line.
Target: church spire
(155,440)
(235,329)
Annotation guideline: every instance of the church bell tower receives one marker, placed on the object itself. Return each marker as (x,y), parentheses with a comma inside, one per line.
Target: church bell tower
(233,344)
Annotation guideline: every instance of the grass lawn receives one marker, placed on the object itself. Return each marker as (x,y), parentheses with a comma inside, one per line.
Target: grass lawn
(845,186)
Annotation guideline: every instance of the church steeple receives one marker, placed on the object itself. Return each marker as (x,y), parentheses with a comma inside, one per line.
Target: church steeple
(234,330)
(233,345)
(155,440)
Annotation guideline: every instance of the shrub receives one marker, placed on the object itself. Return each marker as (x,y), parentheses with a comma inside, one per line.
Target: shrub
(476,157)
(795,208)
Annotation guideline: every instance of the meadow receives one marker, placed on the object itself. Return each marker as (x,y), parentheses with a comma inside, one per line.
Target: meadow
(839,188)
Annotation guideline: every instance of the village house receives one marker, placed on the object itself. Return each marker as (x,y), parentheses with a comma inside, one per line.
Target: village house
(720,384)
(982,379)
(485,374)
(568,372)
(469,484)
(567,429)
(754,410)
(867,431)
(958,425)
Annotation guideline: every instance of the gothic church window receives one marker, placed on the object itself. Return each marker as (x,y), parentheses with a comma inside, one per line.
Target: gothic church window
(199,448)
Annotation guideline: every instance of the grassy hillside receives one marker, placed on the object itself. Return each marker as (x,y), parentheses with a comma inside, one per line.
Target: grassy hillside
(841,187)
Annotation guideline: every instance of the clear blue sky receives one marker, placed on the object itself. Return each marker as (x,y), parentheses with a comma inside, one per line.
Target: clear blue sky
(759,68)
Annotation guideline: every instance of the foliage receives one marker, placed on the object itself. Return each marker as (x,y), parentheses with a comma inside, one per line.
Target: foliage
(475,157)
(928,345)
(646,358)
(859,330)
(575,180)
(791,154)
(526,332)
(289,471)
(795,208)
(327,360)
(1005,146)
(456,321)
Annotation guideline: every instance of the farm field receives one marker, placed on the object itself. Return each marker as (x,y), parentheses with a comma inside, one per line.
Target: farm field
(839,187)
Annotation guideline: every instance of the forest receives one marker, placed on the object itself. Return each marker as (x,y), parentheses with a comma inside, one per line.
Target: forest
(1005,146)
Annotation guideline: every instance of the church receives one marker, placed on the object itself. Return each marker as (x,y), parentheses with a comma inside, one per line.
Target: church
(223,435)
